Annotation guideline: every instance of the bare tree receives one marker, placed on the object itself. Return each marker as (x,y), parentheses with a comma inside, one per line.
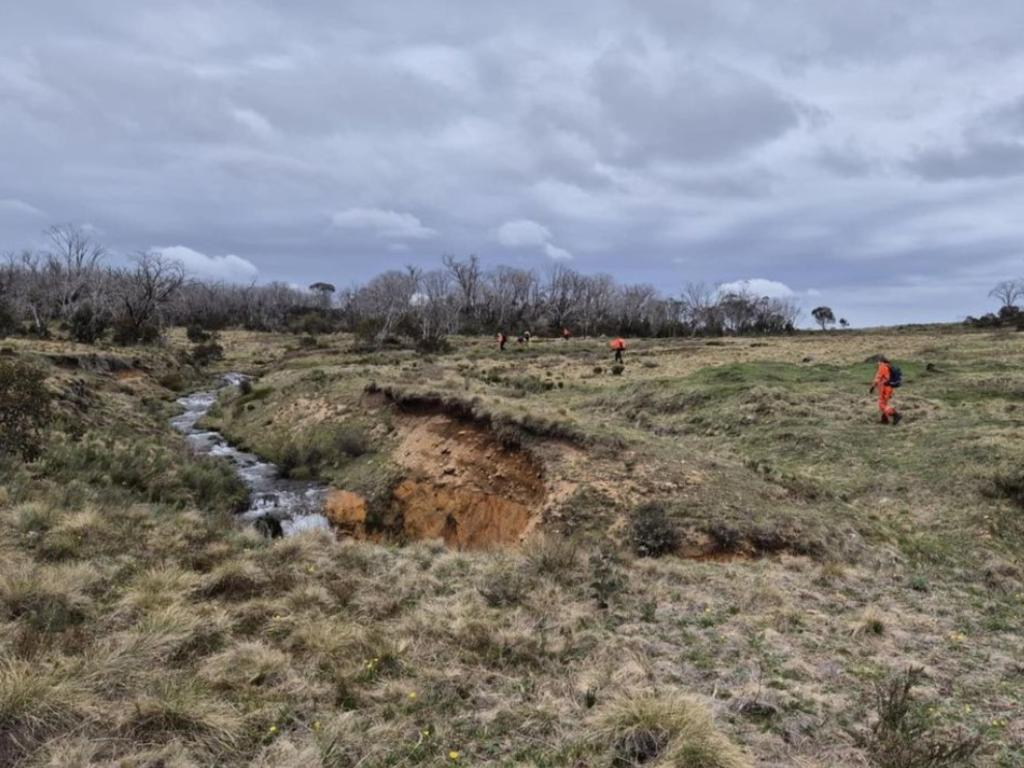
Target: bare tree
(385,300)
(73,262)
(1008,292)
(436,308)
(469,279)
(142,293)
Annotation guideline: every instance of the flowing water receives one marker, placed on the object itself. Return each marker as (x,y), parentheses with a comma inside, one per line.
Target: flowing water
(295,505)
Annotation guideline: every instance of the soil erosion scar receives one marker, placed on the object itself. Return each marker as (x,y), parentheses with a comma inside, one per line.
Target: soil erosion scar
(460,484)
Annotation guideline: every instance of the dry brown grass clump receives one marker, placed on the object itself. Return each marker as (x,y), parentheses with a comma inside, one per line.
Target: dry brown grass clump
(666,731)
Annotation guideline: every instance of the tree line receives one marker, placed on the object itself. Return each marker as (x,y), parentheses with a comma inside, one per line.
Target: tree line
(69,284)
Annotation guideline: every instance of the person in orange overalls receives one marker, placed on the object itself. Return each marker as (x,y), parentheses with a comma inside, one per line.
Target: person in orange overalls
(619,345)
(885,392)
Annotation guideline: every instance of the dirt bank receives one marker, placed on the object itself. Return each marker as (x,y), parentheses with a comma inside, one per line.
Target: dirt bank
(459,483)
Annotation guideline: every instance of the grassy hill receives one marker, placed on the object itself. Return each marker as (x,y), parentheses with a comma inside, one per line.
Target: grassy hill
(482,599)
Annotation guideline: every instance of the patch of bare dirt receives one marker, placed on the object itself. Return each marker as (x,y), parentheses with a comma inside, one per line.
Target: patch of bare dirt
(460,484)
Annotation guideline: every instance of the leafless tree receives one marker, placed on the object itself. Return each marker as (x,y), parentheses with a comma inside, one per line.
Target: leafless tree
(142,293)
(73,262)
(468,276)
(1008,292)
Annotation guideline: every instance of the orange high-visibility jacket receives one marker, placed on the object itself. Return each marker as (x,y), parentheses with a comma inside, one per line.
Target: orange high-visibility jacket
(882,375)
(617,344)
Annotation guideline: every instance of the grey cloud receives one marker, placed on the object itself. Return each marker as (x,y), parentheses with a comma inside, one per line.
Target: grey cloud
(982,159)
(653,103)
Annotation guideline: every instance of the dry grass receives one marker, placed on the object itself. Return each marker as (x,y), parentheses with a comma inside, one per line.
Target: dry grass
(139,629)
(663,731)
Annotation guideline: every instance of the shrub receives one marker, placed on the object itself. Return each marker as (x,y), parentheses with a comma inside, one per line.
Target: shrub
(87,325)
(554,556)
(504,584)
(901,737)
(197,335)
(8,320)
(348,441)
(204,354)
(1009,487)
(245,387)
(651,532)
(24,409)
(127,332)
(617,369)
(606,577)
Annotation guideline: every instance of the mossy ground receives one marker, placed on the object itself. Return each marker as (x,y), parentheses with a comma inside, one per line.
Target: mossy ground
(139,625)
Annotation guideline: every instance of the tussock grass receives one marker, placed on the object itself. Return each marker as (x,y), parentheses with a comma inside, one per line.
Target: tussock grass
(663,731)
(36,701)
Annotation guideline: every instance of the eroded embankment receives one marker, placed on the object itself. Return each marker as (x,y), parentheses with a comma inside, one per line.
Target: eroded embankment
(458,483)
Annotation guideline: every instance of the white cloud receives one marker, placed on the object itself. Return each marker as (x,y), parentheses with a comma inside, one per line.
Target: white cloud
(556,253)
(10,205)
(523,233)
(526,233)
(230,268)
(254,121)
(758,286)
(390,225)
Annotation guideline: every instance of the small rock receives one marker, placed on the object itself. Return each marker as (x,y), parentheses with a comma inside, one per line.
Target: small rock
(449,470)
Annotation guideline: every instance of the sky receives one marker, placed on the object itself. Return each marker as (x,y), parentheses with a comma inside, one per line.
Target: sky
(868,155)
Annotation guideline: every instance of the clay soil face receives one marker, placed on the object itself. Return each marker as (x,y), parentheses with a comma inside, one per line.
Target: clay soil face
(460,485)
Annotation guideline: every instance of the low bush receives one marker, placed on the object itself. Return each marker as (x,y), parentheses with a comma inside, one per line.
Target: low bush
(24,409)
(651,532)
(197,334)
(127,333)
(1008,486)
(88,325)
(205,354)
(504,584)
(902,738)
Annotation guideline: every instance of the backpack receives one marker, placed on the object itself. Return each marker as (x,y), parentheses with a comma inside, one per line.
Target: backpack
(895,376)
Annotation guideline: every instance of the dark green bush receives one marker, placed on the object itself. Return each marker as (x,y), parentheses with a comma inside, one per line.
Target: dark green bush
(127,332)
(24,409)
(8,320)
(207,353)
(197,334)
(88,325)
(651,532)
(349,441)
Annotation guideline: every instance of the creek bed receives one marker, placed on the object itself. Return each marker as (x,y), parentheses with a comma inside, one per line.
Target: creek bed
(276,505)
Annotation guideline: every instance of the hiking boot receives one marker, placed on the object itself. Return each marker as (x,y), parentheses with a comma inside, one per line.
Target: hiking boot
(896,419)
(885,419)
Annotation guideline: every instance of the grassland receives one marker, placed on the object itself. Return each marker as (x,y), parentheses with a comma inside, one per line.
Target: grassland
(815,555)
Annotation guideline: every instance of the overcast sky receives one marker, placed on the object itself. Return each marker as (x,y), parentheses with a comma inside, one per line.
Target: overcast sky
(868,155)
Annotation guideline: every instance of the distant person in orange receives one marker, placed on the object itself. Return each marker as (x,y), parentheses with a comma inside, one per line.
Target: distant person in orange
(566,334)
(887,378)
(619,345)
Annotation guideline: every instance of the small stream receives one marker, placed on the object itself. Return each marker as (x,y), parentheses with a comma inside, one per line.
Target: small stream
(295,505)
